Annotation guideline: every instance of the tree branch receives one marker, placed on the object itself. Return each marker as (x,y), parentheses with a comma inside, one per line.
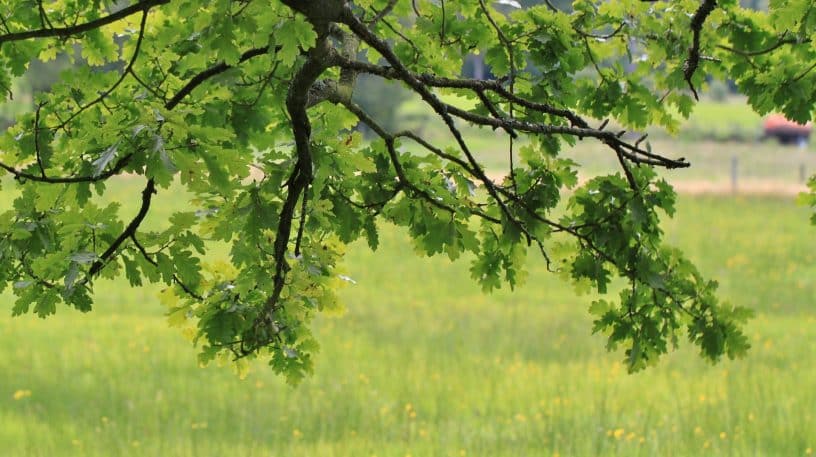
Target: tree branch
(187,289)
(128,70)
(601,36)
(63,32)
(440,108)
(580,127)
(204,75)
(130,230)
(297,99)
(781,42)
(382,13)
(693,60)
(120,164)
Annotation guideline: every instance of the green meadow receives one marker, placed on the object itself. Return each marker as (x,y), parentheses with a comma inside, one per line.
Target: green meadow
(423,364)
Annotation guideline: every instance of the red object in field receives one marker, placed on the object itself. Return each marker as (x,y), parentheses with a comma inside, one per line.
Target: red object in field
(786,131)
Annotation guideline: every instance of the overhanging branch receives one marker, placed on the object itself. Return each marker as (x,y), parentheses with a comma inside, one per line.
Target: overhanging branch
(64,32)
(579,127)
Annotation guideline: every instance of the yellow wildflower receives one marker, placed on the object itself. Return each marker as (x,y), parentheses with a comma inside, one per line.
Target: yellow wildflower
(20,394)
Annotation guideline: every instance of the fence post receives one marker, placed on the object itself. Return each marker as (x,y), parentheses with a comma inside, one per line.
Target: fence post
(734,168)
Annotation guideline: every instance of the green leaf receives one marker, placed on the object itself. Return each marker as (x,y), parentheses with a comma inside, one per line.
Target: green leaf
(102,162)
(293,36)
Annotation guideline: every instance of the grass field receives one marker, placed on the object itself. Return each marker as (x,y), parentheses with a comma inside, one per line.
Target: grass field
(423,364)
(730,118)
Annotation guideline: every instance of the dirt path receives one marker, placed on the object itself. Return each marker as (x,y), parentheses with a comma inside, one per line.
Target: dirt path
(689,187)
(745,187)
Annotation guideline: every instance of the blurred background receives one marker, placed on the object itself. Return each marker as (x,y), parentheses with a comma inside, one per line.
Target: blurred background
(422,363)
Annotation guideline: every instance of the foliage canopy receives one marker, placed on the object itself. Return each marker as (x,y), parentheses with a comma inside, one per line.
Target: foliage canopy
(248,106)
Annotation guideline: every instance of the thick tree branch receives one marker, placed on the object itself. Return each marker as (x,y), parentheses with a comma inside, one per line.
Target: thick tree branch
(297,98)
(693,60)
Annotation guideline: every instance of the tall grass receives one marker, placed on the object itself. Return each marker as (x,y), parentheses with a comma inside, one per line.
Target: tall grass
(423,364)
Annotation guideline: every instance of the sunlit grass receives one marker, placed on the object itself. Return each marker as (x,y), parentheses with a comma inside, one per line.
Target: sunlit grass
(424,364)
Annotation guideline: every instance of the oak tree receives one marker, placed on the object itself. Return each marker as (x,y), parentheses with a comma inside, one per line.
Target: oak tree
(246,106)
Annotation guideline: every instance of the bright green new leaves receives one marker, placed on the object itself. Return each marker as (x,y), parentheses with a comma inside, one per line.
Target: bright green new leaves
(292,36)
(242,111)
